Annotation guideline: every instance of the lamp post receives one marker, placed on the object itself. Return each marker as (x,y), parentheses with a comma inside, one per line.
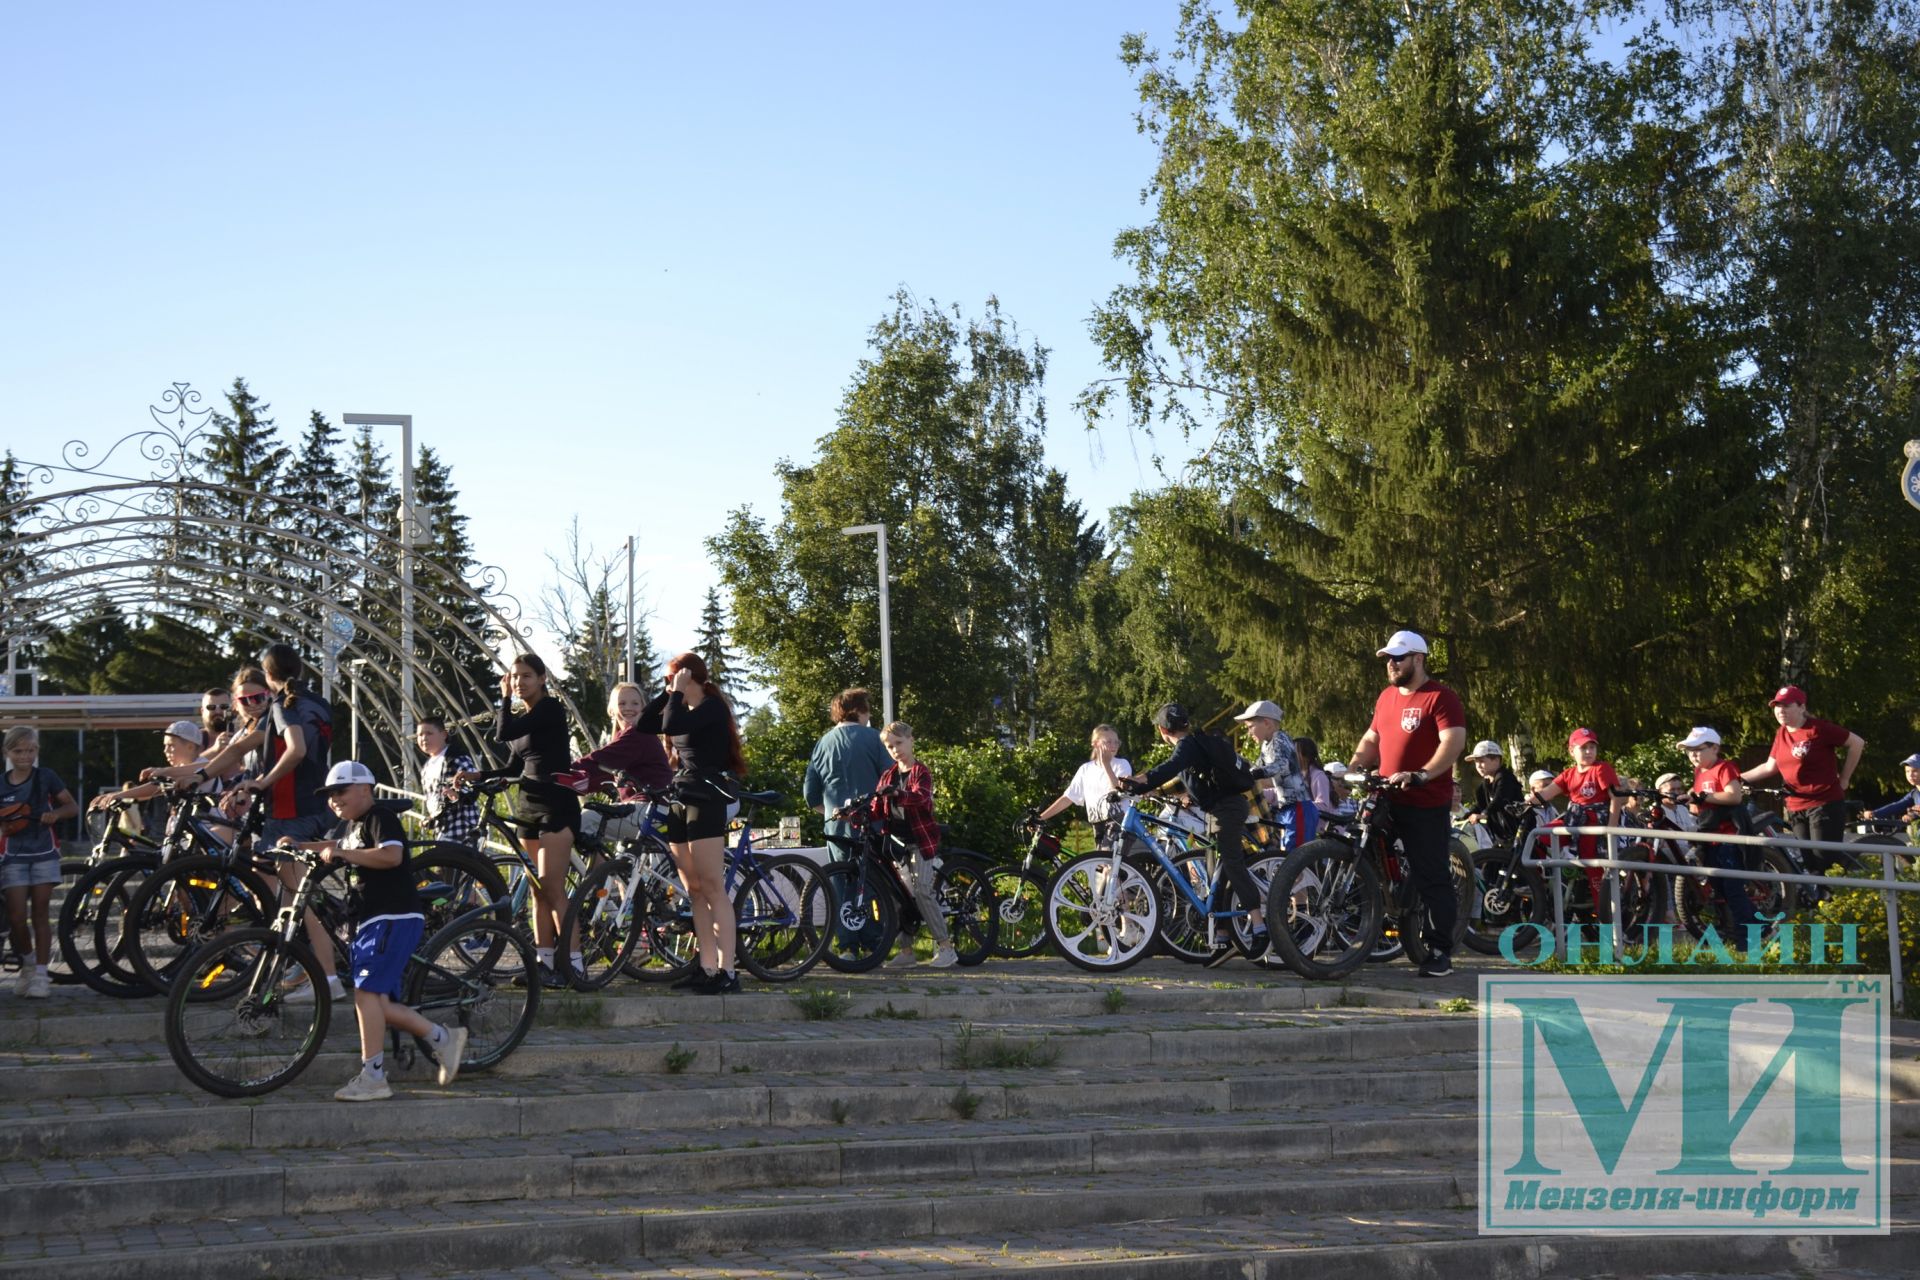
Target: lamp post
(353,742)
(886,634)
(630,679)
(408,530)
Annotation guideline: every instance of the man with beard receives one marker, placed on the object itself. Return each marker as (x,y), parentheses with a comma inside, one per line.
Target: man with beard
(1419,729)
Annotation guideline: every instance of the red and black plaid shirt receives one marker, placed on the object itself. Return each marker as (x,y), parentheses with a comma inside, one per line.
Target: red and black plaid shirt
(911,813)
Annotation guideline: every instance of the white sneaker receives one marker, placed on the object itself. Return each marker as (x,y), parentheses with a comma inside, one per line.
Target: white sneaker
(39,986)
(365,1087)
(23,981)
(944,958)
(906,959)
(449,1054)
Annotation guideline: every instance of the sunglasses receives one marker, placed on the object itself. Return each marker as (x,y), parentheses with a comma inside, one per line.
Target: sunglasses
(253,697)
(1396,661)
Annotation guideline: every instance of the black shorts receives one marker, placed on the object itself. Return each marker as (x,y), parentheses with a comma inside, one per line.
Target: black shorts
(690,820)
(549,811)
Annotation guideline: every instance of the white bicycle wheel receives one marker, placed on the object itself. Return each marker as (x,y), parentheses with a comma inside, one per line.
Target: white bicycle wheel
(1101,914)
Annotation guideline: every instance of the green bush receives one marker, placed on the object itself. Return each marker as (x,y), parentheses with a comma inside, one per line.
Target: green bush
(1865,909)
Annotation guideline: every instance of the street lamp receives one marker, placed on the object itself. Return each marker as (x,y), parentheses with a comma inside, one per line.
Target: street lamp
(630,679)
(886,635)
(408,530)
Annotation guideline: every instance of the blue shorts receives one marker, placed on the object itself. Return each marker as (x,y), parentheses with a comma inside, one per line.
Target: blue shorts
(1300,822)
(381,949)
(20,870)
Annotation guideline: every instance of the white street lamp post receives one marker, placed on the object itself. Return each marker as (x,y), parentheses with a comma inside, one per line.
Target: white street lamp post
(886,634)
(408,531)
(630,679)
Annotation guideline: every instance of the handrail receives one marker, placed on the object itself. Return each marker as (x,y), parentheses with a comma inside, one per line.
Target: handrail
(1888,884)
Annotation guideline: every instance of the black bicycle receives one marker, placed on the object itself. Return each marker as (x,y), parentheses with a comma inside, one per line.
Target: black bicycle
(872,902)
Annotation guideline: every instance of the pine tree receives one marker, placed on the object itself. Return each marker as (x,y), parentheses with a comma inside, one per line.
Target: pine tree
(76,659)
(443,565)
(374,591)
(244,455)
(711,644)
(596,650)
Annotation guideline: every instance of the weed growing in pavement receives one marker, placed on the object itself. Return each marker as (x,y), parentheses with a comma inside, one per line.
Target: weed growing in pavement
(969,1051)
(1113,1000)
(821,1005)
(965,1104)
(888,1011)
(678,1059)
(1351,999)
(743,1069)
(839,1111)
(577,1011)
(1459,1004)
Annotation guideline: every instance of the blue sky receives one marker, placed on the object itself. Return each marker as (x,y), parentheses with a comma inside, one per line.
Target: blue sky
(616,259)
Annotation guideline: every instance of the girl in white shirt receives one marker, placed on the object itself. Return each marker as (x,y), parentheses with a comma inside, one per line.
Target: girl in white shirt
(1095,780)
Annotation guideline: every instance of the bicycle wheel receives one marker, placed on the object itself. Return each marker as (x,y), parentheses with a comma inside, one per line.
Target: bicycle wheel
(451,879)
(1262,867)
(1504,898)
(966,901)
(651,896)
(185,905)
(1021,903)
(1102,914)
(1414,916)
(783,914)
(602,910)
(1325,909)
(464,976)
(86,952)
(865,918)
(251,1040)
(672,948)
(1182,925)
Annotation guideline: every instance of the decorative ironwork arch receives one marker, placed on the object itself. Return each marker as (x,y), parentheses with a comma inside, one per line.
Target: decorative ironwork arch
(167,544)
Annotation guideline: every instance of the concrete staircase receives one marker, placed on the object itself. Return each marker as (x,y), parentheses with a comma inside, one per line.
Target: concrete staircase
(1019,1119)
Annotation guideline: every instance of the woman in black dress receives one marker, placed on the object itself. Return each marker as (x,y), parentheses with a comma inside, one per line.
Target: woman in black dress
(708,763)
(539,745)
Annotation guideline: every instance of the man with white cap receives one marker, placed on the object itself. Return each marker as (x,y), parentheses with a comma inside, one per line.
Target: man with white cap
(1803,760)
(1718,803)
(1419,730)
(1279,764)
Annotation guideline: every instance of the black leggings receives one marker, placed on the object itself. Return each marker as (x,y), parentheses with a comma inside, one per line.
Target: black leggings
(1828,822)
(1227,824)
(1426,836)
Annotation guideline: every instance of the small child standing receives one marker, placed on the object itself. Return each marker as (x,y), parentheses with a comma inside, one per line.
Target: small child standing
(32,800)
(387,928)
(907,792)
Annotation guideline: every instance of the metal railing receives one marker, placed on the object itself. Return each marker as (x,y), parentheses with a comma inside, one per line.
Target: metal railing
(1888,883)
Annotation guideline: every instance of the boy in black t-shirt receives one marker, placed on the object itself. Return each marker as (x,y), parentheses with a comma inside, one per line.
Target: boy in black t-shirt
(387,928)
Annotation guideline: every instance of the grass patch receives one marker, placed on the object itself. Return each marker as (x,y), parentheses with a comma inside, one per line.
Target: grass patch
(888,1011)
(576,1010)
(969,1051)
(1351,999)
(964,1103)
(678,1059)
(1113,1000)
(1459,1004)
(839,1111)
(821,1005)
(743,1069)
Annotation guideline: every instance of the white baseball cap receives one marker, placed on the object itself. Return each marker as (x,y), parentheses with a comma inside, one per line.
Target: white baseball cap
(1539,775)
(1700,736)
(1400,644)
(1660,783)
(346,774)
(188,731)
(1484,748)
(1270,710)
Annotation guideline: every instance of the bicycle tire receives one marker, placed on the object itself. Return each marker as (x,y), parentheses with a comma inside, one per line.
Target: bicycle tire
(1182,927)
(252,1011)
(1102,915)
(1413,921)
(452,879)
(1502,900)
(642,964)
(1021,901)
(469,970)
(782,917)
(1695,905)
(1305,917)
(966,900)
(80,912)
(865,918)
(671,947)
(1261,866)
(185,905)
(601,911)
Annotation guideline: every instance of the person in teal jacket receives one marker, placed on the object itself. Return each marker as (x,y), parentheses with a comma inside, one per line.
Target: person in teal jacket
(847,761)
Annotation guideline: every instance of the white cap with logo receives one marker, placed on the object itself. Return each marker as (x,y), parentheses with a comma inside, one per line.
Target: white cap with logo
(187,731)
(1400,644)
(346,774)
(1484,748)
(1700,736)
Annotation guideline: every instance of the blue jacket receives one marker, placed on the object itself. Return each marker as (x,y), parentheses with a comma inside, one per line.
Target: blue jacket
(846,763)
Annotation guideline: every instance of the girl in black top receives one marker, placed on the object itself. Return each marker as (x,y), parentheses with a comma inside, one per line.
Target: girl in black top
(539,744)
(707,763)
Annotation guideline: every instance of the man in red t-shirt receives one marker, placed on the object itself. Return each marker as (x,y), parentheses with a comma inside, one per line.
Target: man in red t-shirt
(1588,784)
(1419,730)
(1802,759)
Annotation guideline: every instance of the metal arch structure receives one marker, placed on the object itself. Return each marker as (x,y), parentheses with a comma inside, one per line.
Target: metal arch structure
(153,545)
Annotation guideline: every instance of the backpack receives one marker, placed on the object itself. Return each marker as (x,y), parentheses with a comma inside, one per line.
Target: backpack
(1228,772)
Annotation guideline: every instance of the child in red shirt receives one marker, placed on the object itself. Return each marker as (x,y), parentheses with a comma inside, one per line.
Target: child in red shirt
(1717,792)
(1587,784)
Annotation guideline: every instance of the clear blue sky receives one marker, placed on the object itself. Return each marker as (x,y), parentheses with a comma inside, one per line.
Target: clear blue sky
(616,259)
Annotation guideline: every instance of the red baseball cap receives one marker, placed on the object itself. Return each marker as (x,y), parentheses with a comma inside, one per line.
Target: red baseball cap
(1579,736)
(1790,693)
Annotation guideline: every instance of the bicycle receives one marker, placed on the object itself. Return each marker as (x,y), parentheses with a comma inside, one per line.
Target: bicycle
(233,1031)
(871,902)
(1021,891)
(1333,898)
(1507,891)
(1696,905)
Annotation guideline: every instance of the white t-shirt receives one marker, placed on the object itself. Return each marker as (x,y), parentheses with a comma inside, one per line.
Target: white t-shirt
(1089,788)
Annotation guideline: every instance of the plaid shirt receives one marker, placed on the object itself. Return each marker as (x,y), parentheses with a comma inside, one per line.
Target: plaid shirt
(911,813)
(457,822)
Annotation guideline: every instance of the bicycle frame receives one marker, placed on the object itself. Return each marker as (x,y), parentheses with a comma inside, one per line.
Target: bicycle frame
(1134,823)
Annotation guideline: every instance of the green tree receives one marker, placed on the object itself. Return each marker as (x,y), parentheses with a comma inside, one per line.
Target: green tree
(938,438)
(1405,280)
(76,659)
(444,570)
(243,455)
(18,561)
(711,644)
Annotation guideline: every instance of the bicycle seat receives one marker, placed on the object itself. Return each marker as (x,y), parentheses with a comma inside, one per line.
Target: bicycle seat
(610,810)
(761,797)
(395,805)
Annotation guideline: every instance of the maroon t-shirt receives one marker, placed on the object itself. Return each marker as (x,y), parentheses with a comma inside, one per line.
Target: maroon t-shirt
(1808,762)
(1408,726)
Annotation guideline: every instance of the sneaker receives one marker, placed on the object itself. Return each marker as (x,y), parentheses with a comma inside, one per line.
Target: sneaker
(39,986)
(1437,966)
(692,980)
(23,982)
(721,984)
(944,958)
(905,959)
(449,1055)
(303,994)
(1219,957)
(365,1087)
(552,980)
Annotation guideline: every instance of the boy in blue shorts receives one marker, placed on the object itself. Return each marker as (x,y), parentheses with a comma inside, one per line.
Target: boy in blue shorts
(387,928)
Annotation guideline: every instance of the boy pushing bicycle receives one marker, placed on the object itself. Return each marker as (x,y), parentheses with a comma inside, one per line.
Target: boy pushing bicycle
(388,925)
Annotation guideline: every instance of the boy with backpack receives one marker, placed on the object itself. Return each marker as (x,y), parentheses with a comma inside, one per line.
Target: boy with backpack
(1211,771)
